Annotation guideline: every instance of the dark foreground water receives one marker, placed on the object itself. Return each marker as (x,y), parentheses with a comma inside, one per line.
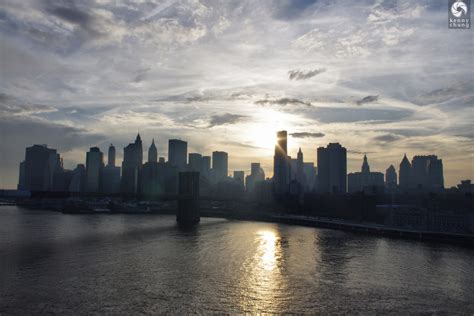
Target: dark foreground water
(129,264)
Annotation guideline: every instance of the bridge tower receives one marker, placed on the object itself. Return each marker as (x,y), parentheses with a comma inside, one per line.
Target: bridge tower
(188,198)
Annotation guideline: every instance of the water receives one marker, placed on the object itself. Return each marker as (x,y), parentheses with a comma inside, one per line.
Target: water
(128,264)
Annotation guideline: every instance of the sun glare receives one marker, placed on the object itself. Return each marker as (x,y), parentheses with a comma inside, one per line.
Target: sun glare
(263,132)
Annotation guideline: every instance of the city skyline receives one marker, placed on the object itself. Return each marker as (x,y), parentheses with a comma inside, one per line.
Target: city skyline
(228,76)
(43,170)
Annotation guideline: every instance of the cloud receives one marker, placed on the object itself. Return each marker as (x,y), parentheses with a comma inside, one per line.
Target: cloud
(307,135)
(283,102)
(387,138)
(302,75)
(223,119)
(367,99)
(9,105)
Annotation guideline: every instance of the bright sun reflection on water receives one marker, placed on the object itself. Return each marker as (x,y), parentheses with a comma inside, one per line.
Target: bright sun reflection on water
(267,249)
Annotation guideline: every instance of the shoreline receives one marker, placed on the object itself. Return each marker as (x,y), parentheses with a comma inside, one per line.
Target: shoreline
(371,229)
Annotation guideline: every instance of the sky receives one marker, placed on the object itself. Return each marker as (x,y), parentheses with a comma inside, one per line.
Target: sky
(380,77)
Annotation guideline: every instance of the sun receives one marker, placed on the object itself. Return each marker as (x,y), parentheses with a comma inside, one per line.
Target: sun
(268,122)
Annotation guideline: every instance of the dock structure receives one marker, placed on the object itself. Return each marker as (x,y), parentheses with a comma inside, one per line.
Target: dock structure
(188,198)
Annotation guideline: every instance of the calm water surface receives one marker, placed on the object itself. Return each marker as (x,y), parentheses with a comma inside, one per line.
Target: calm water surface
(128,264)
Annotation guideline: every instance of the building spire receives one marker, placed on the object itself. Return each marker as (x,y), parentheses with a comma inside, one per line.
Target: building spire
(365,165)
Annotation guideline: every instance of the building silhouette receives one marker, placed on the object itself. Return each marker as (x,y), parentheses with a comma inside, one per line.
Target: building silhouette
(365,180)
(178,153)
(391,177)
(110,175)
(131,166)
(332,168)
(239,179)
(111,156)
(281,164)
(78,181)
(427,173)
(195,162)
(405,174)
(310,173)
(256,175)
(38,169)
(152,152)
(220,161)
(158,178)
(94,165)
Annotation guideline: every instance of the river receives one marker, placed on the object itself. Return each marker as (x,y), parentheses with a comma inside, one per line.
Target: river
(129,264)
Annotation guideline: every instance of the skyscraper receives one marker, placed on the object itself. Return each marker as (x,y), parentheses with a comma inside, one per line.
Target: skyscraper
(131,165)
(391,177)
(110,174)
(111,156)
(427,173)
(39,167)
(152,152)
(256,175)
(332,168)
(94,165)
(281,164)
(405,174)
(178,153)
(220,165)
(195,162)
(239,177)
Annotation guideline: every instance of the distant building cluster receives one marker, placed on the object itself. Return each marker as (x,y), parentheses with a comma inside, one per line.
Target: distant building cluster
(42,170)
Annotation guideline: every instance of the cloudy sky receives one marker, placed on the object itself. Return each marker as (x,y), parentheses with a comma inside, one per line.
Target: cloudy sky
(382,77)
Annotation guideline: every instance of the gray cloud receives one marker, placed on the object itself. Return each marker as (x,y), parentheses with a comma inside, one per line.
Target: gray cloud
(307,135)
(387,138)
(283,102)
(367,99)
(10,105)
(302,75)
(223,119)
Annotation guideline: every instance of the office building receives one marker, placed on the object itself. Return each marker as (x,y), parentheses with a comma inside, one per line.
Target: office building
(332,168)
(38,169)
(220,165)
(281,164)
(131,166)
(178,153)
(94,165)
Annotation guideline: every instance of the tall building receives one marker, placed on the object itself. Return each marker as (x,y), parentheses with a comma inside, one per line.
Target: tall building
(332,168)
(152,152)
(111,156)
(256,175)
(206,167)
(405,174)
(391,177)
(220,165)
(281,164)
(310,176)
(365,180)
(78,181)
(178,153)
(38,169)
(427,173)
(195,162)
(131,166)
(94,165)
(239,177)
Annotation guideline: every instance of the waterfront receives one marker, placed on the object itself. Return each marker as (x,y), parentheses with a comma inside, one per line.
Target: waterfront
(53,262)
